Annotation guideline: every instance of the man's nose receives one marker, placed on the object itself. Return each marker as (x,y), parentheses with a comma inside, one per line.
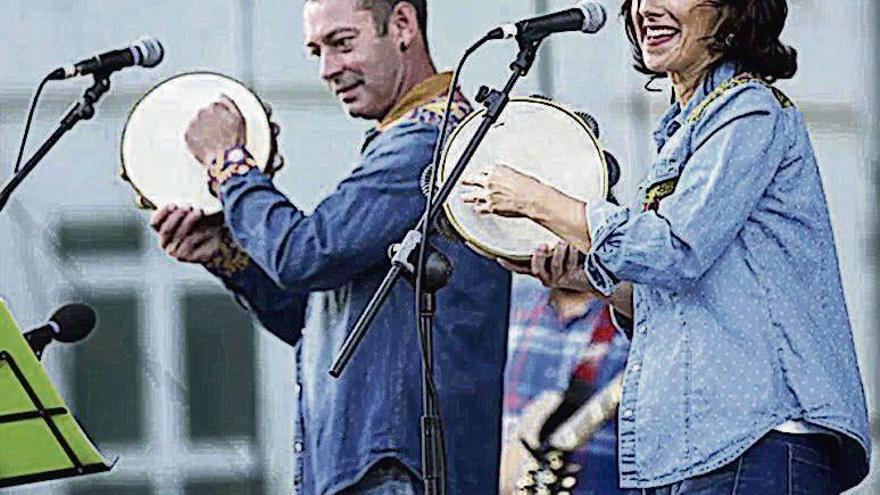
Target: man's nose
(331,67)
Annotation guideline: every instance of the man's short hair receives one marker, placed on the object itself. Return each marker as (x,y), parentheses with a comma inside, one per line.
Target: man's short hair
(382,10)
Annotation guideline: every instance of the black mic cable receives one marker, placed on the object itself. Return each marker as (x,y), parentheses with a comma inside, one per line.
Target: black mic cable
(27,126)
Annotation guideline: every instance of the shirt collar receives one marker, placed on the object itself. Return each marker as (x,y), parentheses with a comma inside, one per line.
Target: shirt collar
(419,95)
(674,118)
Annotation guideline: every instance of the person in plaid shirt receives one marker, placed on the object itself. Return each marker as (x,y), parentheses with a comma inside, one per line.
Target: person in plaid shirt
(560,344)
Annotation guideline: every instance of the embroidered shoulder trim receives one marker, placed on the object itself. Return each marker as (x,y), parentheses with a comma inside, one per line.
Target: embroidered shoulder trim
(737,81)
(431,113)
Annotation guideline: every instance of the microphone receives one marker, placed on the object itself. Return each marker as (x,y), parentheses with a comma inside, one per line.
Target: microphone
(71,323)
(586,16)
(145,52)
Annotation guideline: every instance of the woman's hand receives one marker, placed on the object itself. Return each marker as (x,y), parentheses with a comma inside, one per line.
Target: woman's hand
(501,190)
(561,267)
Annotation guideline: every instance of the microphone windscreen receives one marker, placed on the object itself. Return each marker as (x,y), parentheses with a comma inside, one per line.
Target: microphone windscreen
(149,51)
(75,322)
(594,16)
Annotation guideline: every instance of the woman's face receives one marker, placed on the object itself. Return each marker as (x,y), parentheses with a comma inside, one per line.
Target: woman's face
(674,34)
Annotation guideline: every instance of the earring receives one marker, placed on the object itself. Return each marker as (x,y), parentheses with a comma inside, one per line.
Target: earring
(729,40)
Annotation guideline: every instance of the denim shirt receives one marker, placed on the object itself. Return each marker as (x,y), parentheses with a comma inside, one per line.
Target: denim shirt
(311,277)
(740,318)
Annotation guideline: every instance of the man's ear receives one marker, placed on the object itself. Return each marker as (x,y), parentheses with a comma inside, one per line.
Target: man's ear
(403,24)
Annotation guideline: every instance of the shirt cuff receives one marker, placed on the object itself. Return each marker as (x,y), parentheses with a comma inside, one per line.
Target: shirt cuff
(602,280)
(237,161)
(603,218)
(230,261)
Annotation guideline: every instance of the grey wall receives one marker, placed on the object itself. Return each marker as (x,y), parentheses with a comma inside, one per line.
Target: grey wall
(259,41)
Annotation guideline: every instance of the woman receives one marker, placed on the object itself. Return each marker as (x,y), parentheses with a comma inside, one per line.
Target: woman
(742,375)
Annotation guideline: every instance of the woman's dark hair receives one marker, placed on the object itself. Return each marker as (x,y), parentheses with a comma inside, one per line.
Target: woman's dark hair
(749,36)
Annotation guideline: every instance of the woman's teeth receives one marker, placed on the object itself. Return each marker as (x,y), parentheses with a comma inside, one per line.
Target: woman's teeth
(658,33)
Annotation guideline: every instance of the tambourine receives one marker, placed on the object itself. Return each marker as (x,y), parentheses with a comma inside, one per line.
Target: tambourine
(537,137)
(155,158)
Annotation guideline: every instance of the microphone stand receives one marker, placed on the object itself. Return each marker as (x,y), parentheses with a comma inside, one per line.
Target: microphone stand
(403,260)
(79,111)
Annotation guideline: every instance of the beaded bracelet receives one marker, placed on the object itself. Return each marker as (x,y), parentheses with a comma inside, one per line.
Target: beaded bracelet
(236,161)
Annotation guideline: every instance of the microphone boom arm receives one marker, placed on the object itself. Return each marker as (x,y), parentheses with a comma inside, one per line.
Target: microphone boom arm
(79,111)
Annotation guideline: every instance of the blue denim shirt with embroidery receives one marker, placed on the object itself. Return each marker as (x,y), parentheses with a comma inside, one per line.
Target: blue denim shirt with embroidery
(740,317)
(312,276)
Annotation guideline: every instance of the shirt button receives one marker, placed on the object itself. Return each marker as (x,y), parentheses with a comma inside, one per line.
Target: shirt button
(628,414)
(636,367)
(643,330)
(298,388)
(298,447)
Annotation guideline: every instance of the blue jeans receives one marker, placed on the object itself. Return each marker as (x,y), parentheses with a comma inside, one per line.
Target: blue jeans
(388,477)
(779,464)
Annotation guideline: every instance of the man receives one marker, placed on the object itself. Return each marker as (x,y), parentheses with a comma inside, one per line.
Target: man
(562,350)
(308,277)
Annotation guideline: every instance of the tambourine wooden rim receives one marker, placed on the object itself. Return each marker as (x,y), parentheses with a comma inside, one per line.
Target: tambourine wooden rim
(143,199)
(469,237)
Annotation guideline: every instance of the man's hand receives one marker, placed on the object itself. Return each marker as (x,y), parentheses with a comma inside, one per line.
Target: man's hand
(186,235)
(217,128)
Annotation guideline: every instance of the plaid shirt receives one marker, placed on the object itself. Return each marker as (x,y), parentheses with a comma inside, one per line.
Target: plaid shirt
(545,352)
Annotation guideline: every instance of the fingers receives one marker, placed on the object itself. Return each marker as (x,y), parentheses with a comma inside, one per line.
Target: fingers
(558,261)
(205,251)
(158,218)
(168,229)
(473,198)
(196,248)
(514,266)
(189,223)
(227,102)
(540,264)
(575,259)
(185,229)
(481,181)
(501,167)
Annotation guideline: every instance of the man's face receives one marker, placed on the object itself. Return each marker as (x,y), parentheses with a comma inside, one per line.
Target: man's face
(363,69)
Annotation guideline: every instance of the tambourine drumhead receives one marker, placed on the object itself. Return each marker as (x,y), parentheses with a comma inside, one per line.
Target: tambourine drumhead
(155,158)
(538,138)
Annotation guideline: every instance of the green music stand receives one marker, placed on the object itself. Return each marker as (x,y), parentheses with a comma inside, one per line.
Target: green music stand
(40,439)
